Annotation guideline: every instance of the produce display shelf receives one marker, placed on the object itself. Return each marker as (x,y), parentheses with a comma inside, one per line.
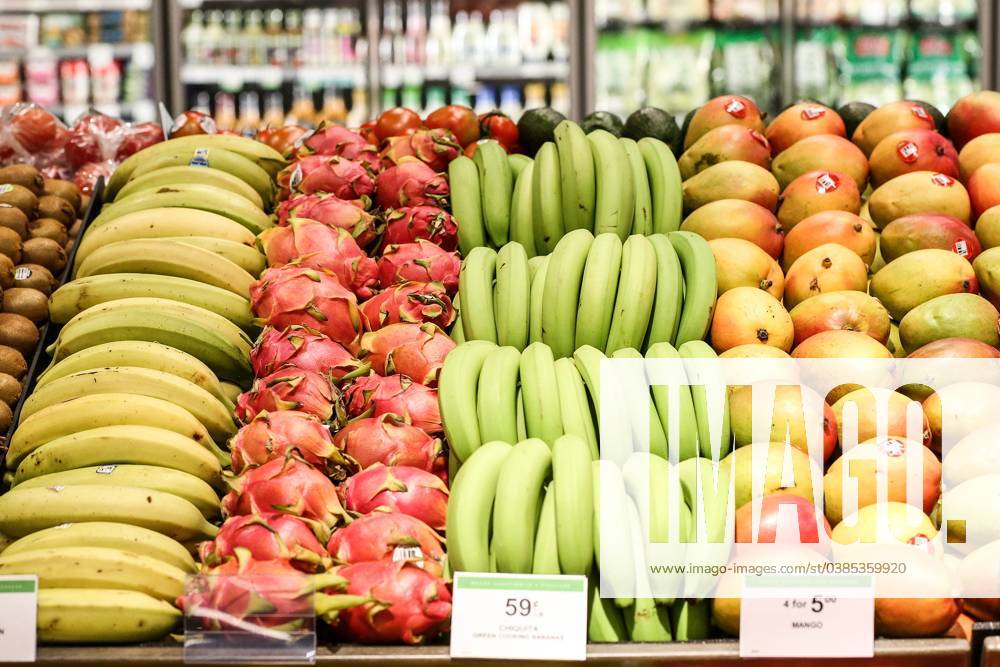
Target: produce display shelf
(991,652)
(118,50)
(269,75)
(945,652)
(73,5)
(522,72)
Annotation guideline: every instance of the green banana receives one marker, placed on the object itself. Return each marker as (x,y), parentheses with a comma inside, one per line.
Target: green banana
(642,217)
(472,495)
(475,288)
(546,199)
(518,500)
(496,183)
(572,472)
(669,299)
(456,332)
(691,620)
(545,559)
(648,622)
(687,422)
(604,623)
(563,277)
(615,204)
(522,426)
(613,539)
(457,394)
(512,296)
(700,285)
(697,349)
(497,395)
(574,407)
(636,292)
(536,297)
(522,229)
(657,436)
(540,393)
(576,169)
(518,163)
(664,184)
(598,288)
(467,203)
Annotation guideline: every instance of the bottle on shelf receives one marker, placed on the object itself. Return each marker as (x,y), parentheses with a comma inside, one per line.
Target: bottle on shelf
(192,38)
(293,37)
(275,38)
(534,95)
(225,110)
(510,101)
(416,32)
(303,111)
(334,108)
(249,118)
(234,52)
(475,39)
(255,44)
(212,37)
(274,109)
(459,37)
(437,50)
(359,112)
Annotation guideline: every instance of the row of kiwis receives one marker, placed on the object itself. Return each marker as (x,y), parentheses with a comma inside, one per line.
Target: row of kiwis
(39,221)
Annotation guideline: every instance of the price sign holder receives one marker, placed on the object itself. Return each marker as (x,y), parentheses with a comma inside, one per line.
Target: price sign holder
(18,617)
(519,617)
(789,616)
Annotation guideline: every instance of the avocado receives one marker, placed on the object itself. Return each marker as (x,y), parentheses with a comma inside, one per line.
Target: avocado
(603,120)
(935,113)
(652,122)
(678,146)
(537,126)
(853,113)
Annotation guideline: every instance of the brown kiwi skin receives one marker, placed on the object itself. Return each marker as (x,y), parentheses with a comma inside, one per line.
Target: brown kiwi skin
(10,389)
(38,277)
(46,252)
(65,189)
(12,362)
(6,417)
(31,303)
(74,230)
(10,244)
(48,228)
(18,332)
(19,196)
(24,175)
(6,272)
(14,218)
(57,208)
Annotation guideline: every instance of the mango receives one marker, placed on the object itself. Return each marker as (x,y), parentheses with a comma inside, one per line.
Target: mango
(974,509)
(744,315)
(890,118)
(984,149)
(973,116)
(727,142)
(850,346)
(731,180)
(788,417)
(900,525)
(919,276)
(965,407)
(972,570)
(950,316)
(735,218)
(974,455)
(844,310)
(815,192)
(898,615)
(754,351)
(919,192)
(839,227)
(984,188)
(823,151)
(826,268)
(770,462)
(912,150)
(874,405)
(802,120)
(928,230)
(740,263)
(987,270)
(724,110)
(988,228)
(947,348)
(861,463)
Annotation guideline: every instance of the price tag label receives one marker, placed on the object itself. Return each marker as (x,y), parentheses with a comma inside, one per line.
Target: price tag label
(807,617)
(18,614)
(519,617)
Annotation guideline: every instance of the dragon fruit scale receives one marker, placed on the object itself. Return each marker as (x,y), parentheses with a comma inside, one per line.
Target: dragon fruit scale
(413,223)
(389,535)
(390,440)
(333,212)
(401,488)
(329,139)
(306,349)
(271,435)
(313,298)
(267,537)
(420,261)
(292,388)
(436,148)
(415,350)
(411,183)
(376,395)
(312,244)
(409,302)
(338,176)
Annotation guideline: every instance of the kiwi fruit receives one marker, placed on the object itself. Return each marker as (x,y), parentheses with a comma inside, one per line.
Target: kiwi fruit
(31,303)
(10,244)
(24,175)
(65,189)
(57,208)
(48,228)
(6,272)
(14,218)
(33,276)
(84,203)
(19,196)
(46,252)
(10,389)
(74,230)
(18,332)
(6,417)
(12,362)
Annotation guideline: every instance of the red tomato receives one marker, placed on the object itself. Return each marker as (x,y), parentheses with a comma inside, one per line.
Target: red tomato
(35,129)
(460,120)
(192,122)
(86,176)
(396,122)
(281,139)
(137,137)
(91,136)
(498,125)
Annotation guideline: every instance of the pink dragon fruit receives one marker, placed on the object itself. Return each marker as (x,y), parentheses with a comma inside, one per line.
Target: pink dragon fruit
(333,212)
(314,245)
(267,537)
(336,140)
(306,349)
(415,350)
(290,486)
(411,183)
(436,148)
(408,302)
(291,389)
(403,603)
(272,435)
(401,488)
(338,176)
(420,261)
(410,224)
(390,440)
(313,298)
(375,395)
(388,535)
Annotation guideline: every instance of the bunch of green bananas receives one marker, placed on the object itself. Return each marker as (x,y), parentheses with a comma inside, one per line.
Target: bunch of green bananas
(595,182)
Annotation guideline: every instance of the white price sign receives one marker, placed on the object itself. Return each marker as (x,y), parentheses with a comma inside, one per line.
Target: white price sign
(519,617)
(807,617)
(18,613)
